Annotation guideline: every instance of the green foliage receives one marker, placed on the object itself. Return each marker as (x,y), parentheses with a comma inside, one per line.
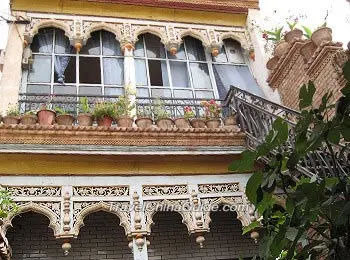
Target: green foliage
(315,220)
(7,205)
(124,106)
(144,111)
(12,110)
(275,35)
(31,112)
(84,105)
(292,25)
(104,108)
(62,111)
(307,32)
(160,110)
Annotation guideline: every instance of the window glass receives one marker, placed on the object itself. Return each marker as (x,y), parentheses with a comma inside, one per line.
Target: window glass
(65,89)
(89,70)
(39,89)
(195,50)
(160,92)
(180,55)
(43,41)
(65,69)
(158,73)
(139,51)
(180,93)
(92,46)
(90,90)
(154,47)
(62,44)
(41,69)
(221,57)
(200,75)
(114,91)
(110,46)
(234,51)
(113,71)
(204,94)
(141,73)
(179,74)
(142,92)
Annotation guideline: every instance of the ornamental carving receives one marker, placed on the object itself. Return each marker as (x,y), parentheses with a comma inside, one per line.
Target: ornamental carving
(161,190)
(34,191)
(218,188)
(84,208)
(97,191)
(183,207)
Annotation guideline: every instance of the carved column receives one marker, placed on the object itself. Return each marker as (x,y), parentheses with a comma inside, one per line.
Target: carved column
(129,74)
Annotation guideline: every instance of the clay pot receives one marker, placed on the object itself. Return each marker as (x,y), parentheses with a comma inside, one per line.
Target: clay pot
(144,122)
(293,35)
(213,123)
(198,123)
(231,120)
(281,48)
(182,123)
(104,121)
(28,119)
(307,50)
(320,35)
(165,123)
(125,121)
(11,120)
(65,120)
(85,119)
(272,63)
(46,117)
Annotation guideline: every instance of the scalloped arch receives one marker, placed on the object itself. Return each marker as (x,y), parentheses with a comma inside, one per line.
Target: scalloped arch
(51,23)
(103,26)
(162,36)
(105,207)
(197,35)
(236,37)
(34,207)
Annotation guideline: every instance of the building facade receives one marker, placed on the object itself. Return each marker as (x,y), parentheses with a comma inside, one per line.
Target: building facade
(93,192)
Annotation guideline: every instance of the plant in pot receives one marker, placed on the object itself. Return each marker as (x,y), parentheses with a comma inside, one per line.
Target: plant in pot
(322,34)
(104,112)
(64,117)
(275,38)
(162,116)
(231,120)
(12,115)
(212,112)
(294,33)
(46,115)
(144,116)
(84,117)
(29,118)
(124,108)
(183,122)
(308,49)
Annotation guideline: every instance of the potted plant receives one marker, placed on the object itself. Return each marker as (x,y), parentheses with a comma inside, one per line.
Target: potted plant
(293,34)
(212,112)
(124,107)
(183,122)
(144,116)
(29,118)
(275,36)
(12,115)
(231,120)
(198,122)
(322,34)
(84,117)
(46,116)
(64,117)
(104,112)
(162,116)
(308,49)
(272,63)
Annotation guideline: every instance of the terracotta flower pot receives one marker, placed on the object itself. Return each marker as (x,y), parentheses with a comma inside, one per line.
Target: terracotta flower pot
(11,120)
(307,50)
(213,123)
(144,122)
(320,35)
(46,117)
(65,120)
(182,123)
(281,48)
(28,119)
(125,121)
(272,63)
(165,123)
(198,123)
(104,121)
(231,120)
(293,35)
(85,119)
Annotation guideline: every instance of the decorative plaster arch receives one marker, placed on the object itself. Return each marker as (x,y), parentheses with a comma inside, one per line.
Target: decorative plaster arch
(29,35)
(102,26)
(237,37)
(242,216)
(163,37)
(124,217)
(197,35)
(34,207)
(156,206)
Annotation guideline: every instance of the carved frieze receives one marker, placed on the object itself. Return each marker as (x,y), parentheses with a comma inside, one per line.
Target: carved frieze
(218,188)
(34,191)
(98,191)
(161,190)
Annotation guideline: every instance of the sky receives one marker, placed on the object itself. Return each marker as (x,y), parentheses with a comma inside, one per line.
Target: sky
(275,12)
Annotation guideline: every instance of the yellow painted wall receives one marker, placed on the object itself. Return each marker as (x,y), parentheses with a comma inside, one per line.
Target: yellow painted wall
(128,11)
(37,164)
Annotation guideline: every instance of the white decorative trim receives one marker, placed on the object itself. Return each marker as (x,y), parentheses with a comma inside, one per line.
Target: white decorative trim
(98,191)
(161,190)
(34,191)
(218,188)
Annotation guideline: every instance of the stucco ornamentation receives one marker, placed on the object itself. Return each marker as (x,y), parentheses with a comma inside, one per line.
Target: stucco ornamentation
(160,190)
(218,188)
(34,191)
(97,191)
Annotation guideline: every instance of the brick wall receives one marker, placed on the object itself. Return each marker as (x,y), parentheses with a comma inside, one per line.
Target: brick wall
(170,240)
(100,238)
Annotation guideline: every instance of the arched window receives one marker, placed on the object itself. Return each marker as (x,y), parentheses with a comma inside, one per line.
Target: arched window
(184,75)
(230,69)
(57,69)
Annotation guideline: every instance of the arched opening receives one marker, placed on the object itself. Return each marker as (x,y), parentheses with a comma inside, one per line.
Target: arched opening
(31,238)
(101,237)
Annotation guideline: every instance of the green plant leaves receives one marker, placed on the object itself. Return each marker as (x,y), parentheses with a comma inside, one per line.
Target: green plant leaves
(253,188)
(306,94)
(245,163)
